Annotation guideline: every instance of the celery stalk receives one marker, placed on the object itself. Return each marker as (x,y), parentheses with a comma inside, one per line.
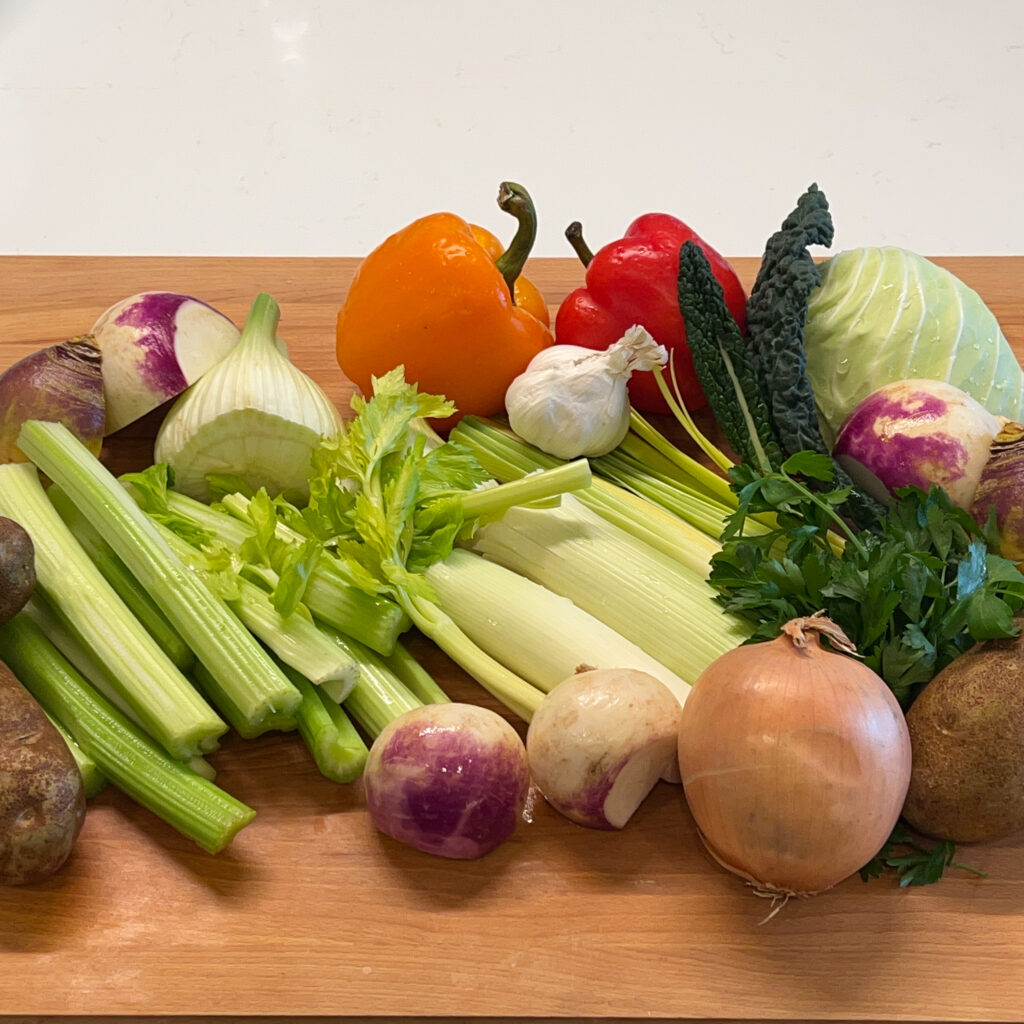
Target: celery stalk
(295,639)
(169,707)
(93,780)
(131,761)
(374,620)
(127,587)
(245,671)
(338,750)
(420,682)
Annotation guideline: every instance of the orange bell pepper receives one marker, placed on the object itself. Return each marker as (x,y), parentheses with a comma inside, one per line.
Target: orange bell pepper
(440,298)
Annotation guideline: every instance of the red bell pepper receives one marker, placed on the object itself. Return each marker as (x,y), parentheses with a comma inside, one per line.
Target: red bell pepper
(634,281)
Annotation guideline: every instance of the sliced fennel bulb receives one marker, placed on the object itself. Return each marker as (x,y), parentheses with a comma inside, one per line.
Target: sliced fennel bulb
(254,416)
(885,314)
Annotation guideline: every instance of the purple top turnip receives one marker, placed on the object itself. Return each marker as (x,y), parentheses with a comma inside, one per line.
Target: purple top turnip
(155,344)
(448,779)
(916,433)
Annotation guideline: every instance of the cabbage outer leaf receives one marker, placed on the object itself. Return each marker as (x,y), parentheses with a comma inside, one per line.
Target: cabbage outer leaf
(883,314)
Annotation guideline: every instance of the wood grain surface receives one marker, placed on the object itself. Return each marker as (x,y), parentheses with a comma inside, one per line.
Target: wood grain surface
(311,913)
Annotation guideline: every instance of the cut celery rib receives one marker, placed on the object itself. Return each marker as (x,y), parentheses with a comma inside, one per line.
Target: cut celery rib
(93,780)
(296,639)
(379,696)
(41,612)
(226,649)
(338,750)
(127,587)
(169,707)
(131,761)
(276,721)
(543,637)
(373,620)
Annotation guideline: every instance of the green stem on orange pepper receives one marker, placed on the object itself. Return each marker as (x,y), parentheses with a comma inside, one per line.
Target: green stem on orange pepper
(514,199)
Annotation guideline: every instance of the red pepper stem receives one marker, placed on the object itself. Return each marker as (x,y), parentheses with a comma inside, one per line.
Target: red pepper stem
(574,232)
(514,199)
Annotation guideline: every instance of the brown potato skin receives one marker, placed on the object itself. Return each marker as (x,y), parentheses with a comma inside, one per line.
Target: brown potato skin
(42,799)
(967,735)
(17,568)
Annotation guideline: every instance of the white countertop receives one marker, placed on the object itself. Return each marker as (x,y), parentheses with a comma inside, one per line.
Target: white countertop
(290,127)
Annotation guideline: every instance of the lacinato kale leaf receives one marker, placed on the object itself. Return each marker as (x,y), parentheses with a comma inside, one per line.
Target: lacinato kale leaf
(777,314)
(722,363)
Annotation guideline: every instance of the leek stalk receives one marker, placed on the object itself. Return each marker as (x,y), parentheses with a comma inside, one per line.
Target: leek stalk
(665,608)
(540,635)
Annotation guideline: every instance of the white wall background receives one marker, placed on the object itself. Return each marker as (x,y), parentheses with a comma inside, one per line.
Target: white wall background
(293,127)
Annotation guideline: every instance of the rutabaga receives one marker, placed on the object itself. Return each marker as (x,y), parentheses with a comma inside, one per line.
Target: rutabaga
(887,314)
(255,416)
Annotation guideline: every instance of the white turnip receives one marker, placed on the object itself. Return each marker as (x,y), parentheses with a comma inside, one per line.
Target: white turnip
(600,741)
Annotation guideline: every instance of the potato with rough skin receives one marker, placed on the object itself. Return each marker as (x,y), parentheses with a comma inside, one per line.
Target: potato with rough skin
(42,798)
(17,568)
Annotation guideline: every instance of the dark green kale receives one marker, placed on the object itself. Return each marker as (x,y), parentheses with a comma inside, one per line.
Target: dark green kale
(722,362)
(777,315)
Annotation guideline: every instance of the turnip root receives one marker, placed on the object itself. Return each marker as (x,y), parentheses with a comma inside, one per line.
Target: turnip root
(448,779)
(917,433)
(599,742)
(154,345)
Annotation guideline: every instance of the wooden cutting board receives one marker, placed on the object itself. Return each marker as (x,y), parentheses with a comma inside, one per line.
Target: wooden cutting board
(312,913)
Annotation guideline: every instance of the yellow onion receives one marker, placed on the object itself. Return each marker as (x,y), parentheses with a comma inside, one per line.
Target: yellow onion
(795,760)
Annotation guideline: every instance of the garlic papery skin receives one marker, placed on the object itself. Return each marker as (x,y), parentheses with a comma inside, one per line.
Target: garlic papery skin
(254,415)
(572,401)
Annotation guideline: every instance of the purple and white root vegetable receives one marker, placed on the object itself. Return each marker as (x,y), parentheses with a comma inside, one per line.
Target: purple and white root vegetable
(916,433)
(600,741)
(448,779)
(154,345)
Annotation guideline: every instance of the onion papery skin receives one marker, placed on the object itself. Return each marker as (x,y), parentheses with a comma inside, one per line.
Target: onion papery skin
(795,762)
(1001,489)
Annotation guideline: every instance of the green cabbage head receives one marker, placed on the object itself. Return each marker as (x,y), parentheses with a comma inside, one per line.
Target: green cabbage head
(885,314)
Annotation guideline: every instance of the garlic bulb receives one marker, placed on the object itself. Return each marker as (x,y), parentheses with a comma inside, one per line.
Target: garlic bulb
(254,415)
(572,401)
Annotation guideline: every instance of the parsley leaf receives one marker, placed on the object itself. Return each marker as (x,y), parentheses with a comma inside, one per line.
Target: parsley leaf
(912,595)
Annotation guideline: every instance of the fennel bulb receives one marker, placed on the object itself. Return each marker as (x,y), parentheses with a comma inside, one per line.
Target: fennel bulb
(885,314)
(254,416)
